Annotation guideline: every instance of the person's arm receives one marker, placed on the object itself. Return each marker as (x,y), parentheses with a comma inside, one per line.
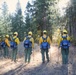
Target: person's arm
(7,42)
(40,40)
(32,43)
(68,38)
(24,39)
(49,40)
(17,41)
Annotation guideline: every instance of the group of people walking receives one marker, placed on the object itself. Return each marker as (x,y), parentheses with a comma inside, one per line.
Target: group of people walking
(44,41)
(5,44)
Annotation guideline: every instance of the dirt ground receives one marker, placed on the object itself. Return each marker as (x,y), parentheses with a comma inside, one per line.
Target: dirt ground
(35,67)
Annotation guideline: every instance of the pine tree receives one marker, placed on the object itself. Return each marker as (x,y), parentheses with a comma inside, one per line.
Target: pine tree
(40,14)
(30,23)
(5,21)
(17,22)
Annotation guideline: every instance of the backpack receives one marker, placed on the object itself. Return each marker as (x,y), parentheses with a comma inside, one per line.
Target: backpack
(27,42)
(44,45)
(13,44)
(3,44)
(64,43)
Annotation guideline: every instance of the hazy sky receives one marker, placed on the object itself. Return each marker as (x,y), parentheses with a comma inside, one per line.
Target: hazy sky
(62,4)
(12,4)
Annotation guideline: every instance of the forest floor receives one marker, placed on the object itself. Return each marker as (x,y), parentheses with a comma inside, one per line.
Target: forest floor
(35,67)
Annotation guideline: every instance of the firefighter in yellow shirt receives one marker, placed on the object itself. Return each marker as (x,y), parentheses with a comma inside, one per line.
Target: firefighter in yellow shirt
(15,48)
(64,34)
(28,45)
(5,47)
(45,42)
(64,49)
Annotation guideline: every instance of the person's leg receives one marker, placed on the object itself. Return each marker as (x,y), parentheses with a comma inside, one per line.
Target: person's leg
(47,55)
(26,54)
(66,54)
(12,54)
(63,55)
(29,54)
(43,55)
(0,51)
(7,52)
(4,53)
(15,54)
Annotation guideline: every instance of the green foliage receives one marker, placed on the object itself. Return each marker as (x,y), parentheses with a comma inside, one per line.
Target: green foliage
(73,40)
(5,21)
(71,18)
(40,16)
(17,22)
(30,23)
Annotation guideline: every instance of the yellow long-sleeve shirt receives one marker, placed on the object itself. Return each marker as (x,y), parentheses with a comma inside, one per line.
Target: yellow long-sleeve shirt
(31,39)
(48,39)
(16,40)
(60,39)
(7,42)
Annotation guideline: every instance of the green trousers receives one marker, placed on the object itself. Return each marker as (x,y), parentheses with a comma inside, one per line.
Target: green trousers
(28,53)
(43,55)
(65,53)
(14,54)
(1,53)
(6,52)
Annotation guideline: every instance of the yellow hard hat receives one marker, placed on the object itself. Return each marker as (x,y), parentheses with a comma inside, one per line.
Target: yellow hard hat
(30,33)
(16,33)
(7,36)
(44,31)
(65,31)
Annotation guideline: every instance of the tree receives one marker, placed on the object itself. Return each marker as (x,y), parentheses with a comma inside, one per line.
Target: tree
(41,15)
(71,17)
(17,22)
(5,21)
(30,23)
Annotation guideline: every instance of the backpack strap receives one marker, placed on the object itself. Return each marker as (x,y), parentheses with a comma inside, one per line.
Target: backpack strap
(28,37)
(64,37)
(14,40)
(44,39)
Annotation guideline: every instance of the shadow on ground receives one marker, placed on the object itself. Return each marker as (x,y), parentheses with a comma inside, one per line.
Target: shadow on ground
(50,68)
(42,69)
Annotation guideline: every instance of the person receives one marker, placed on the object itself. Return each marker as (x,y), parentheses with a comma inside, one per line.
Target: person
(44,42)
(64,43)
(5,44)
(15,41)
(28,45)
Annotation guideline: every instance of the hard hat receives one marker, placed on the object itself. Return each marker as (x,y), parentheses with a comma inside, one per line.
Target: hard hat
(16,33)
(30,33)
(65,31)
(44,31)
(7,36)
